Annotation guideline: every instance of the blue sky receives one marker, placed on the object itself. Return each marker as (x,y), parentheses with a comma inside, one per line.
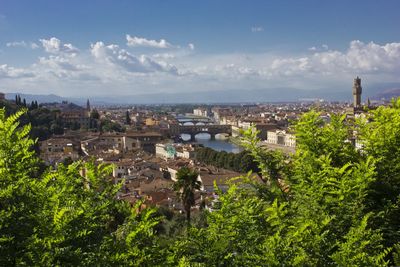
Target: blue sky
(74,48)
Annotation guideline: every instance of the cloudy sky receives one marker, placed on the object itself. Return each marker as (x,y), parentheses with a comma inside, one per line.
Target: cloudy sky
(99,48)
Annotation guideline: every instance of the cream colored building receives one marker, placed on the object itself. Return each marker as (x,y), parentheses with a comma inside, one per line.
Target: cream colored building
(170,151)
(281,137)
(151,122)
(163,152)
(55,150)
(200,112)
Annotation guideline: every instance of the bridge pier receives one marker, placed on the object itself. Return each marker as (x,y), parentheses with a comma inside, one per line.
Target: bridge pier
(192,130)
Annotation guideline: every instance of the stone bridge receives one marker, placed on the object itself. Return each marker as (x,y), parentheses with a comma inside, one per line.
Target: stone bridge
(193,130)
(195,122)
(193,119)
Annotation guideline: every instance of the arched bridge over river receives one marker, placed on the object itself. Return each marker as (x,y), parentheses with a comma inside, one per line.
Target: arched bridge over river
(193,130)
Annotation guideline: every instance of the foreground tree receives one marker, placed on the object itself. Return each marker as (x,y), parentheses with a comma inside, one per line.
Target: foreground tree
(69,216)
(185,187)
(328,205)
(19,190)
(309,209)
(380,137)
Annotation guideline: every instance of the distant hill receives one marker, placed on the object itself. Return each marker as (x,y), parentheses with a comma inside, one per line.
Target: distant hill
(39,98)
(64,106)
(375,91)
(218,96)
(223,96)
(387,94)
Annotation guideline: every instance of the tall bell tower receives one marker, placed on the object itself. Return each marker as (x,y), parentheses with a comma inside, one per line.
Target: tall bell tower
(88,106)
(88,109)
(357,90)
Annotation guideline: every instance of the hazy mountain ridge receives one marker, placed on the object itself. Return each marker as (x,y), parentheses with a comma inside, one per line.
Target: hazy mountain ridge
(39,98)
(377,91)
(388,94)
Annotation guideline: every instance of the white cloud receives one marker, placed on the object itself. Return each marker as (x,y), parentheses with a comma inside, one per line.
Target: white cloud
(372,61)
(31,45)
(57,62)
(290,66)
(102,66)
(114,55)
(319,48)
(236,71)
(359,58)
(257,29)
(164,56)
(11,72)
(374,57)
(34,45)
(64,68)
(134,41)
(16,44)
(54,46)
(191,46)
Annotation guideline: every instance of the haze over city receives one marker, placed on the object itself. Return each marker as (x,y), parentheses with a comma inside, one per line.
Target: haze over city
(280,50)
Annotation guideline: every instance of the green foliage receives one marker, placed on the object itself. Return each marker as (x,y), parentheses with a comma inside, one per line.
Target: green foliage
(94,114)
(396,255)
(316,138)
(272,164)
(380,136)
(18,190)
(328,205)
(310,209)
(71,216)
(242,162)
(107,125)
(43,122)
(360,247)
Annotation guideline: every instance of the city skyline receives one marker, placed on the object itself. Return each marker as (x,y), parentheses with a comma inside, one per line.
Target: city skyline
(103,48)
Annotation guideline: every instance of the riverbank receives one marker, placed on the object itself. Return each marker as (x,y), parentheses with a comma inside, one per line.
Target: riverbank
(219,144)
(235,140)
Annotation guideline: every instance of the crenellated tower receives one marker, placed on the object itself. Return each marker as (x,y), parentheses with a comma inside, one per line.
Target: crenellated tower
(357,90)
(88,105)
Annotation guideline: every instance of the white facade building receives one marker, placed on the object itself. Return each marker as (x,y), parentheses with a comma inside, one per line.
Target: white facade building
(163,151)
(200,112)
(281,137)
(170,151)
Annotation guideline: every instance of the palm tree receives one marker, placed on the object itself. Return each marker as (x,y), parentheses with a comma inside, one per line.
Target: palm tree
(185,187)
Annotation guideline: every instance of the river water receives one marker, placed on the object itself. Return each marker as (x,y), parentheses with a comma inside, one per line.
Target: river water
(220,143)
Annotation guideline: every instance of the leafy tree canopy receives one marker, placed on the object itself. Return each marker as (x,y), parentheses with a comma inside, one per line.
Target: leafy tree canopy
(329,204)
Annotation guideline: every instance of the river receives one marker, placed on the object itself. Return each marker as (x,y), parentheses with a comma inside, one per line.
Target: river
(220,143)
